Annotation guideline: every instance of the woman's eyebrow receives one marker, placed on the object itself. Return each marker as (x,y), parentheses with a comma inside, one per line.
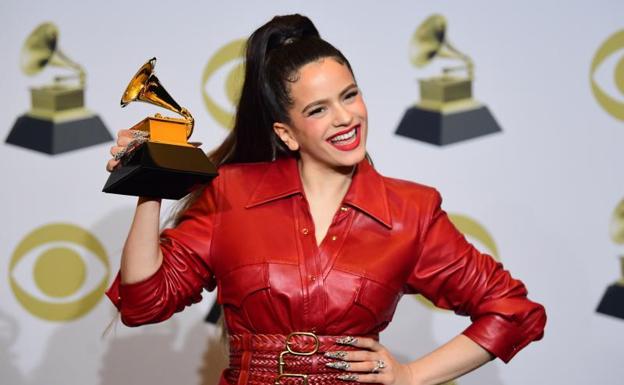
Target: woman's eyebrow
(344,91)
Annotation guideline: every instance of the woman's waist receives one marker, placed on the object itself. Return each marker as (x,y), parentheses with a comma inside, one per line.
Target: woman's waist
(296,358)
(297,343)
(302,342)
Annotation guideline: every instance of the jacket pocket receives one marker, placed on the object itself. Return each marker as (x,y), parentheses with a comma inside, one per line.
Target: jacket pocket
(240,283)
(244,294)
(379,300)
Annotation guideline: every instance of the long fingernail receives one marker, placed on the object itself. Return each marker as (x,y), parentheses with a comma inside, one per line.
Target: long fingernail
(343,365)
(348,340)
(336,354)
(120,154)
(347,377)
(135,143)
(139,134)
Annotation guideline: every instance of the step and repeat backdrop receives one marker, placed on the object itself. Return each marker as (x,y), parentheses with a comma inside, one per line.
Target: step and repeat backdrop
(513,110)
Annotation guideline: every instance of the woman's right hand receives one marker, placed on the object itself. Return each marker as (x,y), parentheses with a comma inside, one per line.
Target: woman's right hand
(127,141)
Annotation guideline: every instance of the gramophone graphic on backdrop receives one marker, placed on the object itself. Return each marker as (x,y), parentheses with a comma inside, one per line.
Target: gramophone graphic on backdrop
(57,121)
(612,302)
(446,112)
(166,165)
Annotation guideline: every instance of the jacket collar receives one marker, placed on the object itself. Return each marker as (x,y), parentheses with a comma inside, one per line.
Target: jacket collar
(367,191)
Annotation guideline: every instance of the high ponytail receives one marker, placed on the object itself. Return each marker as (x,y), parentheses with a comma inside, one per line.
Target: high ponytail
(274,54)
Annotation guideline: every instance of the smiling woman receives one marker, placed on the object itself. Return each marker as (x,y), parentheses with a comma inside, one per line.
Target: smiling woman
(327,114)
(309,246)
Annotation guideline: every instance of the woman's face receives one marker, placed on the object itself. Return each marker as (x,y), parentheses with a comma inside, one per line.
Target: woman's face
(328,118)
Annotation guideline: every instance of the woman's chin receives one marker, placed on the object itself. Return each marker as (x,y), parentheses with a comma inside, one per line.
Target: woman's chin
(352,158)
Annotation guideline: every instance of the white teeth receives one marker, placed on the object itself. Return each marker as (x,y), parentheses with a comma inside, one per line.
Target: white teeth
(342,137)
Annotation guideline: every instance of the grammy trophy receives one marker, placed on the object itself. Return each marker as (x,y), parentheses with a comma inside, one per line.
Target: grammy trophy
(167,165)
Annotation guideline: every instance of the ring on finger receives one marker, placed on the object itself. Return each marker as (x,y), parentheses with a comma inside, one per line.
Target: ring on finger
(379,364)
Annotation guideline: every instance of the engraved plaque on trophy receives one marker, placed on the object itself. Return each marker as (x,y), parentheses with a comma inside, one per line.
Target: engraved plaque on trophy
(167,165)
(57,121)
(446,112)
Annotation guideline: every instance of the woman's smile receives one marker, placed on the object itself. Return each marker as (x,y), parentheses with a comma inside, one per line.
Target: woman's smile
(346,140)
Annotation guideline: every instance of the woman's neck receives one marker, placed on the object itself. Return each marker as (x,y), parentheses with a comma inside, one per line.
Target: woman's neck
(325,182)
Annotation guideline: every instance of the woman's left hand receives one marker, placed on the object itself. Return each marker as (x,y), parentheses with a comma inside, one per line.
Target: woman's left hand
(372,364)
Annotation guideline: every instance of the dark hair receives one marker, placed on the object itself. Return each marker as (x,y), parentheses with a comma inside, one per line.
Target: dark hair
(274,54)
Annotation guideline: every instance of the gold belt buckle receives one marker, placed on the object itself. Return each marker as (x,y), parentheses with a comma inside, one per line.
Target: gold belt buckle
(289,350)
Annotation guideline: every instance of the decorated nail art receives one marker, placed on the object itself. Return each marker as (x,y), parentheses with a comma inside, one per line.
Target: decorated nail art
(336,354)
(137,141)
(347,377)
(139,134)
(120,153)
(344,365)
(348,340)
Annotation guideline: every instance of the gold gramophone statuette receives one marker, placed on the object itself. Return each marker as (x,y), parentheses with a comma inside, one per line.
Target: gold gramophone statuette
(448,90)
(146,87)
(612,302)
(446,112)
(167,165)
(57,120)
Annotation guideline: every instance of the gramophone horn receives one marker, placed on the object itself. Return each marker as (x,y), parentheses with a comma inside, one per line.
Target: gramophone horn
(428,40)
(41,49)
(616,228)
(145,87)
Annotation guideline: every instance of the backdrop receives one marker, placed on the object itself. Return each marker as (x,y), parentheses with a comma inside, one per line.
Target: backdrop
(541,194)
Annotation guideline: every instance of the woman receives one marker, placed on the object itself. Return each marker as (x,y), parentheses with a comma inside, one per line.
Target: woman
(309,246)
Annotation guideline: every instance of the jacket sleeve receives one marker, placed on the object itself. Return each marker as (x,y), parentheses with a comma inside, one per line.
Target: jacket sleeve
(454,275)
(185,271)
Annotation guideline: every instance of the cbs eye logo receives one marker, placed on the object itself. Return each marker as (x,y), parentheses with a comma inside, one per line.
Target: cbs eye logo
(59,272)
(607,68)
(222,81)
(477,235)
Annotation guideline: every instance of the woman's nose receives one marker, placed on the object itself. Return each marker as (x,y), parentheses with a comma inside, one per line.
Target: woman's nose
(343,116)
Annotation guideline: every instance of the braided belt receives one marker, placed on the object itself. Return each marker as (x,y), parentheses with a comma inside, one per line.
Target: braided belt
(279,359)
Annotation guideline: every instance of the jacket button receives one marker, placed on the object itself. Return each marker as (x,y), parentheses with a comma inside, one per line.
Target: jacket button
(333,238)
(312,278)
(343,208)
(305,231)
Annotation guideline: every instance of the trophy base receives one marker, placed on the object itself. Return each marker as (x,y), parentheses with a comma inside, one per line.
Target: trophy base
(54,137)
(442,128)
(612,302)
(161,171)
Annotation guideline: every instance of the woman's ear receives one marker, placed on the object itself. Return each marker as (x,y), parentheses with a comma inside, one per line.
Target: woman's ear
(284,132)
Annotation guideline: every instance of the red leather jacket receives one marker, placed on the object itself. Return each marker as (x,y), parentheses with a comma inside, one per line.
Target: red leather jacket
(252,236)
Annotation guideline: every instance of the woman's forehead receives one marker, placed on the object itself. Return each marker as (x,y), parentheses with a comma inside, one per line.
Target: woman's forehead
(320,79)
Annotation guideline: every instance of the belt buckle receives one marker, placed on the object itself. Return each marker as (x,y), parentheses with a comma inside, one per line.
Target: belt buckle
(289,350)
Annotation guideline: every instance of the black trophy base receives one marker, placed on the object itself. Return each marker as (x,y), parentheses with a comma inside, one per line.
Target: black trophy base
(612,302)
(57,137)
(445,128)
(161,171)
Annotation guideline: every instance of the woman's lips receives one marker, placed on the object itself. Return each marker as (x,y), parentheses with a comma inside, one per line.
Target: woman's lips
(346,140)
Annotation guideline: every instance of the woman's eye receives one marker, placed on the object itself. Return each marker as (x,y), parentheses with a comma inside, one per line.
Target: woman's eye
(351,94)
(316,111)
